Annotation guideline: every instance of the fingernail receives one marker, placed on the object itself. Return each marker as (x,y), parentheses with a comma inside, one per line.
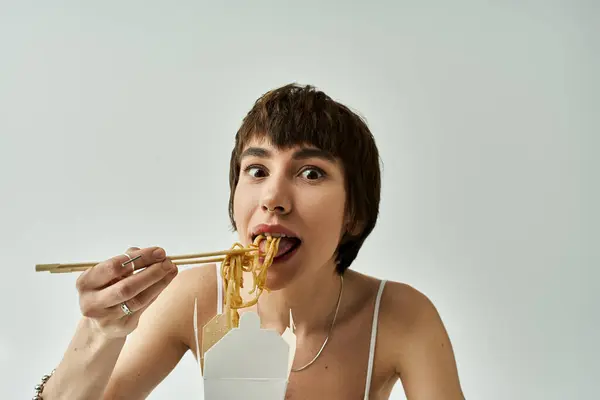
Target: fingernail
(158,254)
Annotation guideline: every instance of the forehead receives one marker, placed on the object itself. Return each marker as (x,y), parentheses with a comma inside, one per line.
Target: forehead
(265,141)
(264,147)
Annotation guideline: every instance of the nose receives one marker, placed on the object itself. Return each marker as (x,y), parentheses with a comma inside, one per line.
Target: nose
(276,198)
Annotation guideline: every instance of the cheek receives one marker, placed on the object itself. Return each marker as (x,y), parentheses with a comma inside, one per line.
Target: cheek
(325,213)
(238,208)
(243,204)
(328,205)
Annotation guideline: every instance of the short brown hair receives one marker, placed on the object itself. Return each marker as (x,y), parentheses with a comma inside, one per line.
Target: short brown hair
(301,115)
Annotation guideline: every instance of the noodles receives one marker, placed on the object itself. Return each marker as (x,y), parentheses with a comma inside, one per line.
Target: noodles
(232,273)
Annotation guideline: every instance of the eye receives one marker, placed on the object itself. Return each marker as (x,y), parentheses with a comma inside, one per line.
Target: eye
(255,171)
(313,173)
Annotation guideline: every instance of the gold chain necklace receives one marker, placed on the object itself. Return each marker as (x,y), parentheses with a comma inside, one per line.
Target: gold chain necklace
(337,308)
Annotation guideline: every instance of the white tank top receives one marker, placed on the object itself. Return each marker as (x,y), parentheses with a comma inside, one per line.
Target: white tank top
(373,327)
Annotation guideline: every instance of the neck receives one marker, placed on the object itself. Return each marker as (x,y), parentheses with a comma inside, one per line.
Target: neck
(312,300)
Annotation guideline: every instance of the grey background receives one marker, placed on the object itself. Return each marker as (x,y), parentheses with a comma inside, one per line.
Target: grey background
(117,119)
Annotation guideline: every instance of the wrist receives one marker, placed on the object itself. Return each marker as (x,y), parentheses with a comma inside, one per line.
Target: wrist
(39,388)
(89,359)
(100,335)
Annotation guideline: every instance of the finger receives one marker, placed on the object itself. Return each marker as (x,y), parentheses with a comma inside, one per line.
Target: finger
(112,269)
(129,270)
(133,252)
(140,302)
(93,303)
(133,285)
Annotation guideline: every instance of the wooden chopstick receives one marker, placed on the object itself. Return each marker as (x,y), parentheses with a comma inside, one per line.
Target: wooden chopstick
(214,253)
(184,259)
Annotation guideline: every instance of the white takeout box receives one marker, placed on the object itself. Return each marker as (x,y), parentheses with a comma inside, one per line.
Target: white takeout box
(248,363)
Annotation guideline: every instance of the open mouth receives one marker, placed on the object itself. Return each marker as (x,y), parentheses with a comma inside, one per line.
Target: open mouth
(287,245)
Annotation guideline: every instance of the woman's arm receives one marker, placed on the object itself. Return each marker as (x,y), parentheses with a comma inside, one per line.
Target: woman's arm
(86,366)
(164,335)
(100,336)
(424,356)
(113,356)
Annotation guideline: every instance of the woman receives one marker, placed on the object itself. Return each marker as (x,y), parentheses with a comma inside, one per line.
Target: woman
(306,167)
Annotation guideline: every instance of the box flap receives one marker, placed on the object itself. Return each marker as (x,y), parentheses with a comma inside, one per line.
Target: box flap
(248,352)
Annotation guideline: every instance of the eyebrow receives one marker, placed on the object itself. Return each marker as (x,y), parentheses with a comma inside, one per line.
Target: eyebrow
(301,154)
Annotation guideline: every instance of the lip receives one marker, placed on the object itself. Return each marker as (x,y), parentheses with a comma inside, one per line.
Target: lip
(266,228)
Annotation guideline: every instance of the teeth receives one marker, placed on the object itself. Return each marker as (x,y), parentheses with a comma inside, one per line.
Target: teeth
(274,234)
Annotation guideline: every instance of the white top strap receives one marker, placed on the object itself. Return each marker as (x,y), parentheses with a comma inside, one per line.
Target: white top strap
(219,291)
(373,340)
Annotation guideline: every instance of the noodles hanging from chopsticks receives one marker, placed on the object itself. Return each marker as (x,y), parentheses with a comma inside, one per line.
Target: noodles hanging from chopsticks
(232,273)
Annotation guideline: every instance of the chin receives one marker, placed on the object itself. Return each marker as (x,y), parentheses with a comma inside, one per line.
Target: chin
(279,276)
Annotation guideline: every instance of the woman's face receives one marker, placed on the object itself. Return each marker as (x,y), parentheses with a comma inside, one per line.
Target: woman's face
(299,192)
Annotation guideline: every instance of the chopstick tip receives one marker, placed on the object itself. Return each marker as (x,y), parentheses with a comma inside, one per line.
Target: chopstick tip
(45,267)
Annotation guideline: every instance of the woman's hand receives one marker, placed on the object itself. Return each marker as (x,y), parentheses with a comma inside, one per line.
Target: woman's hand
(104,288)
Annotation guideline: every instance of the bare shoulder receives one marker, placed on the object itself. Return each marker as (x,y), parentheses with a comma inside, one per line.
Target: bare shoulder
(409,317)
(199,283)
(169,320)
(417,343)
(406,309)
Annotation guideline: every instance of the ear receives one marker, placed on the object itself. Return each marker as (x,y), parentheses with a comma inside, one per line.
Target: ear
(353,228)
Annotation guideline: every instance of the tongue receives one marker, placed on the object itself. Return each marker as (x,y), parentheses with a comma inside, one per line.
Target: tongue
(285,244)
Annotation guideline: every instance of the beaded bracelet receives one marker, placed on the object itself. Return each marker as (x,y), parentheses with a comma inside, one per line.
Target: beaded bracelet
(40,388)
